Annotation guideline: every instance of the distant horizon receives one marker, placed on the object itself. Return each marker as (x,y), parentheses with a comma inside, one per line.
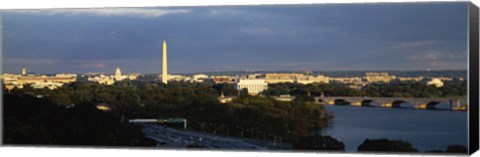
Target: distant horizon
(247,71)
(334,37)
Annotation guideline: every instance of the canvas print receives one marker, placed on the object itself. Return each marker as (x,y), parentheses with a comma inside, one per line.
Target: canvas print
(377,77)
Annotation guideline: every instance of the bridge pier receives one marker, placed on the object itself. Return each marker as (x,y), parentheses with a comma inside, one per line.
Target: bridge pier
(459,104)
(356,103)
(324,100)
(387,105)
(420,105)
(331,102)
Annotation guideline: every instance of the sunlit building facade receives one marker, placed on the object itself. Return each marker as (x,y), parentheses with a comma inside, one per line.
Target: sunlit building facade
(378,77)
(282,77)
(109,80)
(36,81)
(436,82)
(254,86)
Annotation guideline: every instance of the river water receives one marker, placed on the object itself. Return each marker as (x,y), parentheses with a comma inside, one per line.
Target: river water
(424,129)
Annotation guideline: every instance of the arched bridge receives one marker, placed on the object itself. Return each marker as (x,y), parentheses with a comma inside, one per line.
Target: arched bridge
(419,103)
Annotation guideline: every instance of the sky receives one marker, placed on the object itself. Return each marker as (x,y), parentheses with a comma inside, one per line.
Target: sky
(324,37)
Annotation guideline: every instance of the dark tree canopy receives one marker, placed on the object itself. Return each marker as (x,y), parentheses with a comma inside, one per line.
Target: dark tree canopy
(30,120)
(451,149)
(385,145)
(456,149)
(319,142)
(260,117)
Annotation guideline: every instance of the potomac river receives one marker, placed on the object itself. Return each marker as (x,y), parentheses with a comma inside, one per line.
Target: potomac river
(424,129)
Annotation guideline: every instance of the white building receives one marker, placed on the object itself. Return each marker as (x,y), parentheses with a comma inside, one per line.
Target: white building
(436,82)
(119,76)
(284,97)
(175,77)
(416,79)
(133,76)
(49,85)
(313,79)
(224,99)
(199,77)
(378,77)
(102,79)
(254,76)
(254,86)
(109,80)
(37,81)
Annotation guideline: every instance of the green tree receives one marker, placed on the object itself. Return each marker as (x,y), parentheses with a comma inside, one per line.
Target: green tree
(62,99)
(385,145)
(244,93)
(105,97)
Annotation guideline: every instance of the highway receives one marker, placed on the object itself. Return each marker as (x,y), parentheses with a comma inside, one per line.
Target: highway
(176,138)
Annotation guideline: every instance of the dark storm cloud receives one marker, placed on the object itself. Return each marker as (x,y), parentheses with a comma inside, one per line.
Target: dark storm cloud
(302,37)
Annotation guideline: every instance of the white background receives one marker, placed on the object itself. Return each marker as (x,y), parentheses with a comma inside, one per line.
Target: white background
(123,152)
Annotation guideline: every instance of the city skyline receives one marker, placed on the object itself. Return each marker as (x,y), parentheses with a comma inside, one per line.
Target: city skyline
(238,38)
(111,71)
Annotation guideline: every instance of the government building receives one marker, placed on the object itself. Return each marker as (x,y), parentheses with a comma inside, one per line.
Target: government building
(254,86)
(109,80)
(294,78)
(36,81)
(378,77)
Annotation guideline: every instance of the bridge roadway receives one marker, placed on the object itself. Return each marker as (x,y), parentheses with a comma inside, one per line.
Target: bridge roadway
(418,103)
(175,138)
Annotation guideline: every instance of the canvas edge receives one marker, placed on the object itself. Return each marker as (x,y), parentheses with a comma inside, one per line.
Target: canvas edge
(473,80)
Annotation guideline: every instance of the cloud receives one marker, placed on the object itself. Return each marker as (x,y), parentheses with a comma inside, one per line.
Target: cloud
(99,65)
(29,61)
(435,55)
(257,31)
(413,44)
(234,38)
(441,59)
(108,11)
(223,12)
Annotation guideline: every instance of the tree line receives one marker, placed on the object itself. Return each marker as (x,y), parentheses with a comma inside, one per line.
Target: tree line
(39,121)
(451,89)
(328,143)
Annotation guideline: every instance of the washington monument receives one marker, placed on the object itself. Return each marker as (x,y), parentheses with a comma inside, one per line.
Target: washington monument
(164,63)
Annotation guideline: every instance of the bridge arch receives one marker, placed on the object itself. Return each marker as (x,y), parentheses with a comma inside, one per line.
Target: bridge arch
(432,104)
(402,104)
(439,105)
(370,103)
(366,102)
(341,102)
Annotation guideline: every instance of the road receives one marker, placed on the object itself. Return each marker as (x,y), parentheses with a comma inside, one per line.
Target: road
(176,138)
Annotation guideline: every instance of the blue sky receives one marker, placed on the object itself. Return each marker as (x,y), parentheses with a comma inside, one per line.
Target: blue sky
(330,37)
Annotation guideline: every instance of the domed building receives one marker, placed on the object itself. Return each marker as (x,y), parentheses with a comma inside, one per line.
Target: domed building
(118,75)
